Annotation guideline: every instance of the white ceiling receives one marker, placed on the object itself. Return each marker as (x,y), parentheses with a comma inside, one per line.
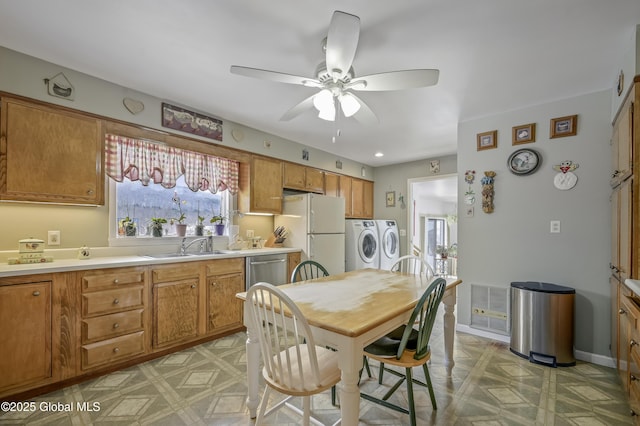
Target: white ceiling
(493,56)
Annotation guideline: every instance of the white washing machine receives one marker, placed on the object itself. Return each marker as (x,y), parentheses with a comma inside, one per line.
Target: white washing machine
(361,245)
(389,240)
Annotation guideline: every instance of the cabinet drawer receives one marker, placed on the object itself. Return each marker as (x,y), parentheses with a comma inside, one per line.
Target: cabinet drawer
(107,301)
(225,266)
(116,278)
(111,325)
(111,350)
(176,272)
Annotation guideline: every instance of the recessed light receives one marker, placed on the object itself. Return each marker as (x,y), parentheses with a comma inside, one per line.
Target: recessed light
(379,154)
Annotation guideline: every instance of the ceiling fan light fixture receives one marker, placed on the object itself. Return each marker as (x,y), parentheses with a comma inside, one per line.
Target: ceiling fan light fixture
(323,100)
(328,113)
(349,104)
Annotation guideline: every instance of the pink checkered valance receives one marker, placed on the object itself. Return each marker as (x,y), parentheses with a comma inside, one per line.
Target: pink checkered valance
(146,161)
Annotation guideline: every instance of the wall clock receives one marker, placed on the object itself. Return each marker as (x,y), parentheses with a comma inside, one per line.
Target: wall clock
(524,161)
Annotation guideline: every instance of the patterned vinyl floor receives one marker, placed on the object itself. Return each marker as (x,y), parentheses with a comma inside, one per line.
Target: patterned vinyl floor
(205,385)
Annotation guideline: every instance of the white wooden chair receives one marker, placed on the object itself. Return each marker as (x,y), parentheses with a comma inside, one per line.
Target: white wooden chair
(413,265)
(293,364)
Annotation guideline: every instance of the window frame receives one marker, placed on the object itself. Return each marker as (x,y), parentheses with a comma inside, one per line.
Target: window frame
(167,240)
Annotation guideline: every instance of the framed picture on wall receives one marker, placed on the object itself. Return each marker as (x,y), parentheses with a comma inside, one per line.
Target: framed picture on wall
(487,140)
(391,198)
(564,126)
(525,133)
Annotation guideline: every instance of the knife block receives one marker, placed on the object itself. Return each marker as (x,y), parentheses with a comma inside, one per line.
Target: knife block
(271,242)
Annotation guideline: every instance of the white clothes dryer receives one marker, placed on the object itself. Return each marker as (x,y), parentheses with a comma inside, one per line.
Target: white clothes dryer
(361,245)
(389,240)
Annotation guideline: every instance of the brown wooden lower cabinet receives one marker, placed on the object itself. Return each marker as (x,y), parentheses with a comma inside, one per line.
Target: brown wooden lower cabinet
(113,316)
(66,327)
(25,321)
(225,279)
(176,289)
(293,260)
(628,347)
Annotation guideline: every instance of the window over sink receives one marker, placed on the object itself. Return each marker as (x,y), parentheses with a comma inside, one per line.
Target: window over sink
(137,205)
(157,190)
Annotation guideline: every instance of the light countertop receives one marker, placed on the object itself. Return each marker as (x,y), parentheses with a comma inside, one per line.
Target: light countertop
(116,258)
(634,285)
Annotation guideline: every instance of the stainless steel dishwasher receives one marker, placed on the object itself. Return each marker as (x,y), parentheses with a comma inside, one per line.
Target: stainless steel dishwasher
(269,268)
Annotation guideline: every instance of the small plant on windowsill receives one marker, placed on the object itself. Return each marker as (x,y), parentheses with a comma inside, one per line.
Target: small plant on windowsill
(157,226)
(218,222)
(181,227)
(200,226)
(127,225)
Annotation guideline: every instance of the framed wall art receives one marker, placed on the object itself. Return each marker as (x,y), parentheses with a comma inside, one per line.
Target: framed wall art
(564,126)
(525,133)
(182,119)
(487,140)
(391,198)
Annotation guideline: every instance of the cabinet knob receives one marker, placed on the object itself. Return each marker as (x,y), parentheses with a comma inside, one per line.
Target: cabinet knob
(116,325)
(116,301)
(116,350)
(90,191)
(615,173)
(632,413)
(622,311)
(632,377)
(632,343)
(193,286)
(36,293)
(116,281)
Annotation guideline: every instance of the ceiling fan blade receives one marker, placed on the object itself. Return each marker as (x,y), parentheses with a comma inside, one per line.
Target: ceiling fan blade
(364,115)
(298,109)
(342,42)
(395,80)
(275,76)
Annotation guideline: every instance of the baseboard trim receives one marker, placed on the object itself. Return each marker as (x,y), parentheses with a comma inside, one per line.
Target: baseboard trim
(605,361)
(483,333)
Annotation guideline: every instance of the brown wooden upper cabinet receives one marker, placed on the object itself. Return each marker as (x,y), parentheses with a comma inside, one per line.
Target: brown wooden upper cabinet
(331,184)
(261,186)
(303,178)
(346,193)
(50,154)
(361,199)
(622,141)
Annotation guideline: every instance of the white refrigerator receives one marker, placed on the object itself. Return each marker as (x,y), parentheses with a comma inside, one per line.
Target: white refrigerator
(315,223)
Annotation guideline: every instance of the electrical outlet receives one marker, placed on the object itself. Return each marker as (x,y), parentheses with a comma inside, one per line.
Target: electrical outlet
(53,238)
(267,144)
(554,227)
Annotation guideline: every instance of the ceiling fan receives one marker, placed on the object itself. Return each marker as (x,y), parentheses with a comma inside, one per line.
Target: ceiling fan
(336,79)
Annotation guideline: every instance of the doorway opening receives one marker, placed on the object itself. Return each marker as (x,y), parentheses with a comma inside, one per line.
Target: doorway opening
(432,221)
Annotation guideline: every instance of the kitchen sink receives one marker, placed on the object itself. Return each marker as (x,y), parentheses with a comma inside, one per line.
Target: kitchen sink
(172,255)
(209,253)
(167,255)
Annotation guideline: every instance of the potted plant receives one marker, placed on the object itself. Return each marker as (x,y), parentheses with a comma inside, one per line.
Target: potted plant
(218,222)
(129,226)
(157,226)
(181,227)
(200,226)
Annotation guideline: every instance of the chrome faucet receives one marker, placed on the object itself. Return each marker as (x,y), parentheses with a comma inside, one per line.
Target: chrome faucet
(206,244)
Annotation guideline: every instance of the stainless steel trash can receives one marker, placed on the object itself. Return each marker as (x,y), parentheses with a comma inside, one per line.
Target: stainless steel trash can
(542,323)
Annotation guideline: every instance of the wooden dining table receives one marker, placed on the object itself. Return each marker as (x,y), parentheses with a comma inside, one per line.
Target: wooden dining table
(347,312)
